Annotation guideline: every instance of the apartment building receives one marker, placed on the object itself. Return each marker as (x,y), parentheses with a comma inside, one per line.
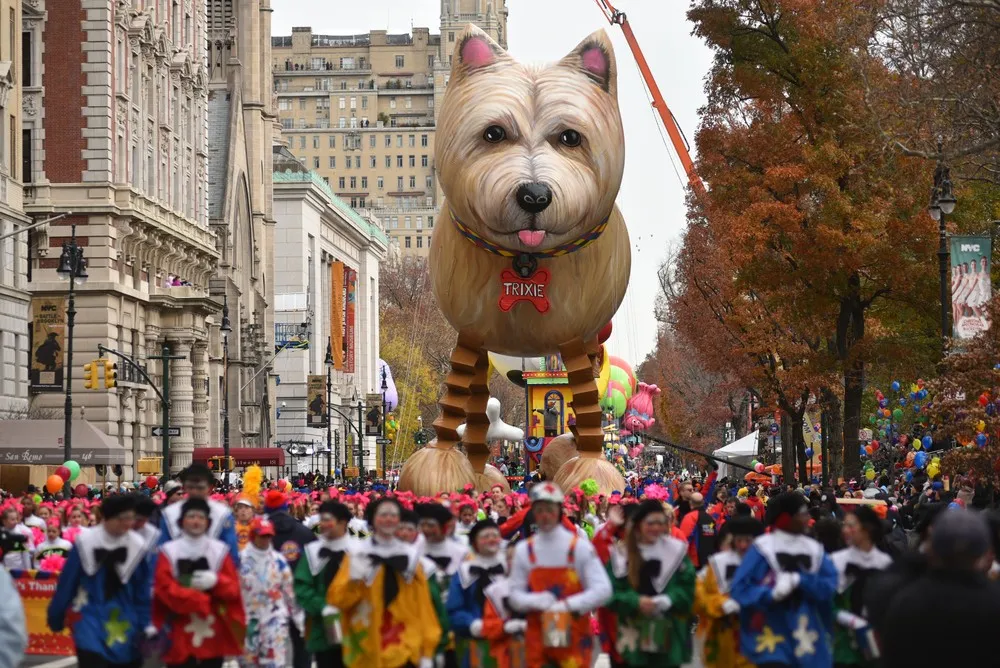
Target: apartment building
(360,111)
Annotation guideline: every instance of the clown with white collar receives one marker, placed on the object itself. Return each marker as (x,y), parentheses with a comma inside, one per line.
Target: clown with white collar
(556,571)
(103,593)
(198,483)
(197,601)
(467,594)
(785,587)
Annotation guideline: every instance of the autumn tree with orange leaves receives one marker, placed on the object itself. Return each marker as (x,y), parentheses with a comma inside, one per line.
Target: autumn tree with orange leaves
(811,252)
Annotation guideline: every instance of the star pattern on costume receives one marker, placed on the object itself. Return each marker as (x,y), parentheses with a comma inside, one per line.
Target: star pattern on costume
(805,639)
(117,628)
(768,641)
(353,646)
(392,631)
(200,628)
(362,614)
(628,639)
(572,579)
(80,600)
(570,662)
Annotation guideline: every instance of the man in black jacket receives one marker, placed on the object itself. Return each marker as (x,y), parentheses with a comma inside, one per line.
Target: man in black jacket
(290,538)
(954,594)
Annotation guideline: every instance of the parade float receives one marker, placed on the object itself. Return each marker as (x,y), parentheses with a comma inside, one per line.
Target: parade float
(528,262)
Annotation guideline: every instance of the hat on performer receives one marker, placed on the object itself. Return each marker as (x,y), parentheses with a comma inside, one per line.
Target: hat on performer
(195,506)
(145,507)
(372,508)
(261,526)
(478,528)
(644,510)
(434,512)
(339,511)
(409,517)
(116,504)
(744,525)
(782,508)
(547,491)
(275,500)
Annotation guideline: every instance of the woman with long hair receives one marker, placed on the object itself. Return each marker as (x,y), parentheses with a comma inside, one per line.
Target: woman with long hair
(654,584)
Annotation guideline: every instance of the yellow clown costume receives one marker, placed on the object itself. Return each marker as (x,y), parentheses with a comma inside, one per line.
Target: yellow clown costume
(387,616)
(718,619)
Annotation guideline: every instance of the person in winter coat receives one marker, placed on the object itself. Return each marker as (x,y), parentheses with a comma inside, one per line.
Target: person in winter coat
(196,594)
(268,599)
(103,592)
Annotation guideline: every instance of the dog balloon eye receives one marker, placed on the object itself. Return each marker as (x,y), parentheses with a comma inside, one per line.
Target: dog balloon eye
(570,138)
(495,134)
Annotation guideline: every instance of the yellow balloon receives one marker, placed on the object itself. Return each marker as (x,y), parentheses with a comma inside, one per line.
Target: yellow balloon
(981,426)
(870,474)
(933,470)
(914,388)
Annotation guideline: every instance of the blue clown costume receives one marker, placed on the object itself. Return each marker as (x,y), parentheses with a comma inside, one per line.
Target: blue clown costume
(785,587)
(104,595)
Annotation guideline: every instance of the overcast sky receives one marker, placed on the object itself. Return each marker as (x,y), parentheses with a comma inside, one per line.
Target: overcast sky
(652,194)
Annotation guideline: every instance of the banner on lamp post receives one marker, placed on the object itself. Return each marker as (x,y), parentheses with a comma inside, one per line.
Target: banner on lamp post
(971,289)
(373,415)
(317,401)
(48,330)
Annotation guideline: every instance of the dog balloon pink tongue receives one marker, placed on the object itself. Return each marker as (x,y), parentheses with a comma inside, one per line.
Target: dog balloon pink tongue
(639,410)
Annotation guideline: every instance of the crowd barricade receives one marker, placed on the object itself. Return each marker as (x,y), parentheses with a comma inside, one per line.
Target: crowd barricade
(36,589)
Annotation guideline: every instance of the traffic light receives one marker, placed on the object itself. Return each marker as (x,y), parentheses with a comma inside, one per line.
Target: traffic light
(90,375)
(218,463)
(110,374)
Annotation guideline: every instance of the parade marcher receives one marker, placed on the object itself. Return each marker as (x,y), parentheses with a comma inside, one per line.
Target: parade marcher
(198,483)
(718,620)
(387,616)
(290,540)
(556,572)
(16,542)
(700,529)
(244,511)
(467,594)
(145,511)
(103,592)
(267,588)
(408,530)
(605,540)
(653,581)
(313,576)
(854,641)
(54,543)
(785,587)
(196,593)
(445,555)
(503,628)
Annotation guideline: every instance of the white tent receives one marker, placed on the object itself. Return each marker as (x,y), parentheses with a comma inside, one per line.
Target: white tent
(741,451)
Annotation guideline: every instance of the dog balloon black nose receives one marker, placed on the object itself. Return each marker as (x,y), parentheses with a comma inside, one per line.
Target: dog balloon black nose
(534,197)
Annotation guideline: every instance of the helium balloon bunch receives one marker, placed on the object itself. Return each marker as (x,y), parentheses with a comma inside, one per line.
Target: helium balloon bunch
(68,472)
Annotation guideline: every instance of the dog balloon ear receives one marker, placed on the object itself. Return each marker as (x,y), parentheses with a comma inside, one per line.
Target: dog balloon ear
(595,57)
(474,50)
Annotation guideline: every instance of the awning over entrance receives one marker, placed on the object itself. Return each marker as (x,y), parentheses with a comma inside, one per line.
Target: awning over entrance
(244,456)
(41,442)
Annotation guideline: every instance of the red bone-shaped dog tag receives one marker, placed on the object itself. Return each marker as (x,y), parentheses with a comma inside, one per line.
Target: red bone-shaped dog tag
(514,289)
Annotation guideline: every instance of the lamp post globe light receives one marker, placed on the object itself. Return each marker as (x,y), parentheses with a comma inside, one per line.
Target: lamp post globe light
(225,328)
(329,423)
(73,269)
(942,205)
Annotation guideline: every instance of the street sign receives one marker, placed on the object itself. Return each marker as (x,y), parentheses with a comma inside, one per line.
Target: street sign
(383,441)
(171,431)
(358,451)
(368,453)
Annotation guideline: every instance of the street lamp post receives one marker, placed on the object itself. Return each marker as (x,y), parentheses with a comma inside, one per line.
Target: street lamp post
(942,205)
(385,388)
(73,268)
(329,421)
(226,328)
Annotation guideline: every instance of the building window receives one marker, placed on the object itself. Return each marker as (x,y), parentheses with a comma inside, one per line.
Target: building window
(354,124)
(429,201)
(399,161)
(392,103)
(315,141)
(333,162)
(399,182)
(430,221)
(413,140)
(354,202)
(341,102)
(420,242)
(430,181)
(354,182)
(399,141)
(406,242)
(388,141)
(409,102)
(315,162)
(354,103)
(451,37)
(371,141)
(423,140)
(400,61)
(333,141)
(430,61)
(343,122)
(302,104)
(341,183)
(413,182)
(424,161)
(364,103)
(364,183)
(413,161)
(372,160)
(379,202)
(420,222)
(326,180)
(347,162)
(388,162)
(302,141)
(284,104)
(380,183)
(407,222)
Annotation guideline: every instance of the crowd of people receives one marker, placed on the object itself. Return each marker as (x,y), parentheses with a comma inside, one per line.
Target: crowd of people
(669,569)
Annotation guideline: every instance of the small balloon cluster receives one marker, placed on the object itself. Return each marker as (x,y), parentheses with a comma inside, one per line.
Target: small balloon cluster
(758,467)
(68,472)
(889,420)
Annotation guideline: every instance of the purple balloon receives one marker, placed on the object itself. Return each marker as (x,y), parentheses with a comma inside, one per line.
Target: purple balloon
(391,395)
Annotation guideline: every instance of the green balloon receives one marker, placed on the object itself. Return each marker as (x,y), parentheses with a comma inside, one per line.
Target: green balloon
(619,374)
(872,419)
(898,413)
(74,470)
(618,402)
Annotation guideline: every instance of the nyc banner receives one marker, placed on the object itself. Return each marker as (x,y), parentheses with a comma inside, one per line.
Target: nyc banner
(971,289)
(316,389)
(47,331)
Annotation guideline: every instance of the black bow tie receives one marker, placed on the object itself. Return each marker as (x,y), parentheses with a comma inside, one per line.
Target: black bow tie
(189,566)
(394,566)
(859,575)
(731,571)
(484,577)
(333,557)
(648,572)
(440,562)
(791,563)
(110,558)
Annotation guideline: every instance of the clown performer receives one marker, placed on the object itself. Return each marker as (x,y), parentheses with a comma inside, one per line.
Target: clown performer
(653,582)
(443,554)
(467,595)
(558,580)
(198,483)
(854,641)
(313,576)
(785,587)
(387,616)
(103,592)
(268,599)
(244,511)
(196,593)
(718,623)
(503,629)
